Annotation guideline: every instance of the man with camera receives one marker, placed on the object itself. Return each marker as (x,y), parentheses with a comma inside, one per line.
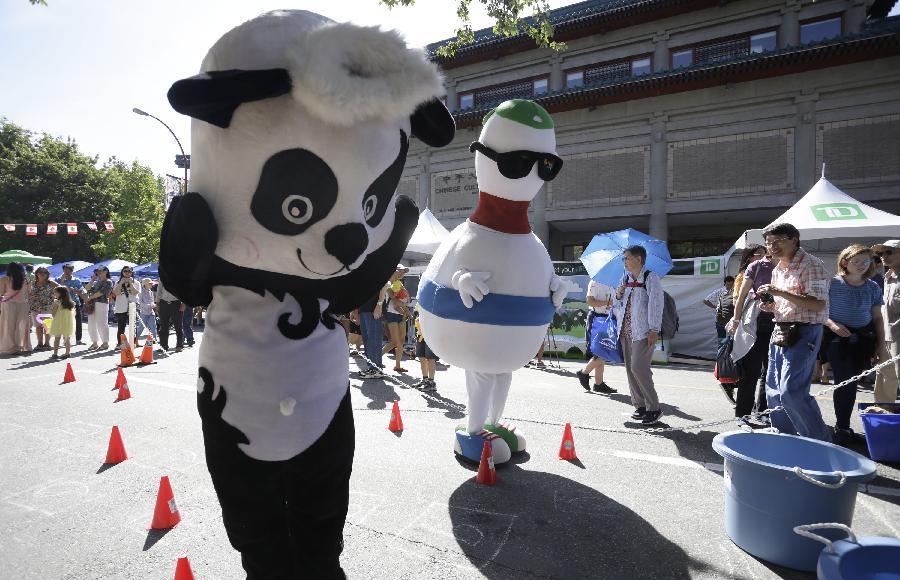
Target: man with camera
(799,291)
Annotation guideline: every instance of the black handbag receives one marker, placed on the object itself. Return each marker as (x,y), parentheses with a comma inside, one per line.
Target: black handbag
(726,370)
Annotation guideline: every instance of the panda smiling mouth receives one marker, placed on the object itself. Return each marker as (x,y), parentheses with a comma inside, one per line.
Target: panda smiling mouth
(338,271)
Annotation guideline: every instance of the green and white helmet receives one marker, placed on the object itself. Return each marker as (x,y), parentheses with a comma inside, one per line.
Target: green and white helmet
(514,125)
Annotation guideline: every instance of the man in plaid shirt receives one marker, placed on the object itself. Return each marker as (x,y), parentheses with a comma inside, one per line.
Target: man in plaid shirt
(800,290)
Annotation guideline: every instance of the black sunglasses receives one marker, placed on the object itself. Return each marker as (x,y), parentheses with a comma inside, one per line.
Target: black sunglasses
(518,164)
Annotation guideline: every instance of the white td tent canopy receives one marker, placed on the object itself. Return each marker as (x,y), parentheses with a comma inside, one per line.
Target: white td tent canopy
(826,212)
(428,235)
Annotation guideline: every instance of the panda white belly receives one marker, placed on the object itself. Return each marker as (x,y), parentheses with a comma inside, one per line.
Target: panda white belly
(502,340)
(281,393)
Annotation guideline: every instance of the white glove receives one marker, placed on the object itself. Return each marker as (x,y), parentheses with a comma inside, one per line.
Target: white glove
(558,290)
(472,286)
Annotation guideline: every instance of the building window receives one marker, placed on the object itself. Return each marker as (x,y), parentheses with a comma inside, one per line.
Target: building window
(726,49)
(466,101)
(820,30)
(762,42)
(540,87)
(682,58)
(640,67)
(574,79)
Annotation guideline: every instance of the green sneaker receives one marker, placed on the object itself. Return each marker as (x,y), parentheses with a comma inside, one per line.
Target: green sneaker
(515,441)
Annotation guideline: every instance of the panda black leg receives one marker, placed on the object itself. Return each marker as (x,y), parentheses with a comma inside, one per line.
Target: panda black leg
(286,518)
(318,495)
(252,496)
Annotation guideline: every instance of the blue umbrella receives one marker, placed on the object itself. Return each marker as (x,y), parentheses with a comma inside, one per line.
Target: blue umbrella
(603,257)
(56,270)
(148,270)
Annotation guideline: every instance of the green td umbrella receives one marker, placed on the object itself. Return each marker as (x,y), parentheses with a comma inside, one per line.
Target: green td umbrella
(23,257)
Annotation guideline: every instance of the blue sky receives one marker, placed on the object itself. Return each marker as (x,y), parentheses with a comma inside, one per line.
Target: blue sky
(76,69)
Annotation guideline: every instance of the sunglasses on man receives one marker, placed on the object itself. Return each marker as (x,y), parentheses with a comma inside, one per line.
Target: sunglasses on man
(518,164)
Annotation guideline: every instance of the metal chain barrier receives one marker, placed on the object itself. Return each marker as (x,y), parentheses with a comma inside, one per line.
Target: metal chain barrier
(652,431)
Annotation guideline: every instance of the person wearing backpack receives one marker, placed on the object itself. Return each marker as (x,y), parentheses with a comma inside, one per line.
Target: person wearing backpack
(641,300)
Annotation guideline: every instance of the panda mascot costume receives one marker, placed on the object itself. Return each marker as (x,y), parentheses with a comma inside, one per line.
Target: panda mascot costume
(489,292)
(300,132)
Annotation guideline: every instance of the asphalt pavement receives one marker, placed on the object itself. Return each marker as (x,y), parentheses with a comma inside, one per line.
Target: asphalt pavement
(633,505)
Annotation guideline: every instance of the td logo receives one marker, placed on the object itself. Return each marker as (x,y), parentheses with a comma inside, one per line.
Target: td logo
(827,212)
(709,267)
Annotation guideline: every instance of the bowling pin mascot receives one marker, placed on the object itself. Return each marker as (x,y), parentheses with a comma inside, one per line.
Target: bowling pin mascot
(300,132)
(489,293)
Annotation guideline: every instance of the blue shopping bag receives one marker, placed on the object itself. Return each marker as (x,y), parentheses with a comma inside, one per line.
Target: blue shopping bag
(605,339)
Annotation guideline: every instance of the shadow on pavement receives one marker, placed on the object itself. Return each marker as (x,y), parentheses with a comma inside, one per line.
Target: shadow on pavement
(786,573)
(541,525)
(154,536)
(379,393)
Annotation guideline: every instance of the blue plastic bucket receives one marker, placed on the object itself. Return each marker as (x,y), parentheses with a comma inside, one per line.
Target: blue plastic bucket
(882,431)
(774,482)
(853,558)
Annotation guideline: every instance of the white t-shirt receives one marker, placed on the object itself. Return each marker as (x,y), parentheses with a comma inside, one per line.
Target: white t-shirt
(715,294)
(601,292)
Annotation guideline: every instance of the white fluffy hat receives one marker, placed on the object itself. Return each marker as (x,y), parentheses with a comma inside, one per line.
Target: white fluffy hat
(342,73)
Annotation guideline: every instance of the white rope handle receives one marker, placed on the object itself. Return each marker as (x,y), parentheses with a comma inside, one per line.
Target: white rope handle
(804,531)
(802,475)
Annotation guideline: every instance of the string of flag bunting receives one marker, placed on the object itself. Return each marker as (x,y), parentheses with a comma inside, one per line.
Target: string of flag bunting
(52,229)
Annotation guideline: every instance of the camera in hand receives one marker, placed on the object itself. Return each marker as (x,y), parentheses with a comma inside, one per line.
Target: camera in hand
(766,298)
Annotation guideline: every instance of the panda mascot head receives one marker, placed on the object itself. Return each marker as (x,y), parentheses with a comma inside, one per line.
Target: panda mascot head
(300,134)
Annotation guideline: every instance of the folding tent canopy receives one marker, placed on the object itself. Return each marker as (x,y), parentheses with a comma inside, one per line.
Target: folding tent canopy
(148,270)
(428,235)
(826,212)
(115,267)
(22,257)
(56,269)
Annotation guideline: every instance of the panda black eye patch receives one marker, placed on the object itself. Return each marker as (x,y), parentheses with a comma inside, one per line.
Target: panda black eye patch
(379,194)
(296,189)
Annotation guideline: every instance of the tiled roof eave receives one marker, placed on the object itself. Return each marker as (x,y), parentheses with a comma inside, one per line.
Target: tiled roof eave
(777,64)
(597,22)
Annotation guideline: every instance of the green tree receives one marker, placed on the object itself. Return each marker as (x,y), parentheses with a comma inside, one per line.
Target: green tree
(139,209)
(507,15)
(46,179)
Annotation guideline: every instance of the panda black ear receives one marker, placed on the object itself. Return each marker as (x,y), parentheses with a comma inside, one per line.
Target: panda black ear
(213,96)
(433,124)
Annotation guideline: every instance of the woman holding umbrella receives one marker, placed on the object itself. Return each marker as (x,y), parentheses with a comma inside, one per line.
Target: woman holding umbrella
(640,294)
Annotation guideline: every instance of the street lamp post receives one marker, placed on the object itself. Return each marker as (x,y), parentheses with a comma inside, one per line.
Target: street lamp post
(183,156)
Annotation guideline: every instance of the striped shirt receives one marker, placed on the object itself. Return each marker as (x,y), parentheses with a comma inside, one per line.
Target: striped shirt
(805,275)
(852,305)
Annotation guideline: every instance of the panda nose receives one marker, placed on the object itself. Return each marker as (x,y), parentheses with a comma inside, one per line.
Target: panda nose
(347,242)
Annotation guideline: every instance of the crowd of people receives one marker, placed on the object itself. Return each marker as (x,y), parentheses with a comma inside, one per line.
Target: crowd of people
(32,304)
(787,318)
(789,314)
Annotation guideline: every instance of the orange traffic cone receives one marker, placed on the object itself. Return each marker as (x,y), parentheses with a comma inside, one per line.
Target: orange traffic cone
(183,570)
(487,475)
(126,353)
(124,393)
(396,423)
(147,353)
(70,374)
(166,514)
(120,379)
(115,453)
(567,447)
